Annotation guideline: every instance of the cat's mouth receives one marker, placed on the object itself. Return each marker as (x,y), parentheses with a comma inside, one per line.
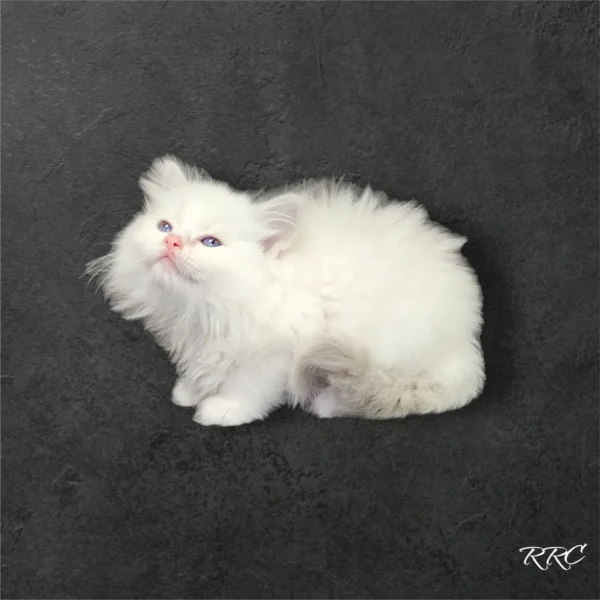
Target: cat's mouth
(165,259)
(167,263)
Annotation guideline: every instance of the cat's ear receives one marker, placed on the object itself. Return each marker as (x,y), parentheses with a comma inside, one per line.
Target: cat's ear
(167,173)
(279,215)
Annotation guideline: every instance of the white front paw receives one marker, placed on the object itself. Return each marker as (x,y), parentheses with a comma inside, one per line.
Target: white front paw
(183,395)
(222,411)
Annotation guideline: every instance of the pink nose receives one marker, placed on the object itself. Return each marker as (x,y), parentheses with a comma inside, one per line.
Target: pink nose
(173,241)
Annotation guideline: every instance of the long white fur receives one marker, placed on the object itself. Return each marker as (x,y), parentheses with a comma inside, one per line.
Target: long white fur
(353,305)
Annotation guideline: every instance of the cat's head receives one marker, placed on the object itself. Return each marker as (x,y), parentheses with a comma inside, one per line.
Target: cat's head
(195,232)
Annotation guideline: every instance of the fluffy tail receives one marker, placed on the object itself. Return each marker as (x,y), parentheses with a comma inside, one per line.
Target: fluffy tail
(371,391)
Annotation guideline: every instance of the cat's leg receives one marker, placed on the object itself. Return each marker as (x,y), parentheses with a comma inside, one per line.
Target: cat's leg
(250,393)
(331,402)
(184,394)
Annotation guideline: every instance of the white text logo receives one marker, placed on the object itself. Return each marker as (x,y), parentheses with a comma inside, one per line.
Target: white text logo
(553,555)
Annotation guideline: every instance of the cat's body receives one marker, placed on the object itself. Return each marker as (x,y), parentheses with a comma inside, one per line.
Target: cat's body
(353,305)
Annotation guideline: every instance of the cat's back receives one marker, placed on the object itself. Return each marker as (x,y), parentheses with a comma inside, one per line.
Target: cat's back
(361,253)
(340,222)
(374,268)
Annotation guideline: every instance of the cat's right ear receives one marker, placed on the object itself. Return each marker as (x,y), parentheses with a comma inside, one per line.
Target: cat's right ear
(167,173)
(279,215)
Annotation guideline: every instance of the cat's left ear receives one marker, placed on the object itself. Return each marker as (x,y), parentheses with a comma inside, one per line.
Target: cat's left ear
(279,216)
(169,172)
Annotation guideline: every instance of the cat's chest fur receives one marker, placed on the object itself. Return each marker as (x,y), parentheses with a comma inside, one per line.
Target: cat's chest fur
(206,343)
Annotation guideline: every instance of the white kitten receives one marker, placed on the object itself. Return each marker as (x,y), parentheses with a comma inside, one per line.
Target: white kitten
(353,305)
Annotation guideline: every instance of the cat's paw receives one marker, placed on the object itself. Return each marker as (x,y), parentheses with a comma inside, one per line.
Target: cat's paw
(328,404)
(183,395)
(222,411)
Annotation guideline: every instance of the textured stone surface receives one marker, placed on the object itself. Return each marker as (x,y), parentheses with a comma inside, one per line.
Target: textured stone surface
(487,112)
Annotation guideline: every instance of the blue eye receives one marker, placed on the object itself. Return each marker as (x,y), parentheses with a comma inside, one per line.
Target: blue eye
(165,226)
(211,242)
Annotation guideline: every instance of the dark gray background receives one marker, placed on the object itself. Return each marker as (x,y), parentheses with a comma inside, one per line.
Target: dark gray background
(486,112)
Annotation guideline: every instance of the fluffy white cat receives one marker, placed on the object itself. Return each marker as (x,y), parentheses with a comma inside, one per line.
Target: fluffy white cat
(323,295)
